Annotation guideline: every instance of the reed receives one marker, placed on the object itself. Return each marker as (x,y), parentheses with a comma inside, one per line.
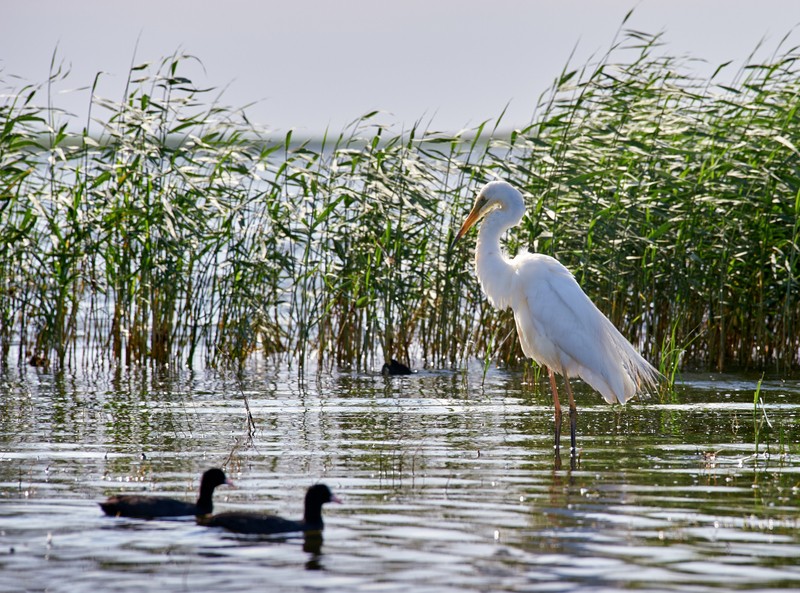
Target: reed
(761,423)
(177,232)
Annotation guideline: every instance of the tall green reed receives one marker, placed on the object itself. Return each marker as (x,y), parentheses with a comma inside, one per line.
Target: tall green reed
(21,120)
(178,232)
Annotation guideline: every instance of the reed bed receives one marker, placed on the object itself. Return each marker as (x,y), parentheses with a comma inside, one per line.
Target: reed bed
(170,230)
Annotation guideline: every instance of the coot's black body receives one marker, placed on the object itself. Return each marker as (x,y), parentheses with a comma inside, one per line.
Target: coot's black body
(393,368)
(138,506)
(260,524)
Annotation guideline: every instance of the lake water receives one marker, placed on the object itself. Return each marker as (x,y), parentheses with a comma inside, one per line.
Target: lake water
(448,481)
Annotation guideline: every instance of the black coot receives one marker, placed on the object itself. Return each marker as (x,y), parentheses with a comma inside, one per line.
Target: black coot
(395,368)
(139,506)
(259,524)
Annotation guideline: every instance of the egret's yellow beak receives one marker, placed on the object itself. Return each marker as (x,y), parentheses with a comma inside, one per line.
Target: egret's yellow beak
(473,217)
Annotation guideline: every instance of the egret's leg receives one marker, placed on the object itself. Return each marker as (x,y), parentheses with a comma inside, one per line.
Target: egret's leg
(557,406)
(573,416)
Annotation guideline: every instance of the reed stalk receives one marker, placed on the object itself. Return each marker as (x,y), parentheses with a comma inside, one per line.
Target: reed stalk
(171,230)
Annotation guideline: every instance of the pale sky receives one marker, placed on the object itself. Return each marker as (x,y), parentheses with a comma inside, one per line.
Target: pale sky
(312,64)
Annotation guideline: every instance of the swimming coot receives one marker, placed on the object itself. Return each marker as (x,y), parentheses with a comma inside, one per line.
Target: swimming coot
(395,368)
(139,506)
(260,524)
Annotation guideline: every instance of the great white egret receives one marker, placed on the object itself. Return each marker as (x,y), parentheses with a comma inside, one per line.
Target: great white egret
(558,325)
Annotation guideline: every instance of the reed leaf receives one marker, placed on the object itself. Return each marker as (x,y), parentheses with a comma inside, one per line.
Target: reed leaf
(173,231)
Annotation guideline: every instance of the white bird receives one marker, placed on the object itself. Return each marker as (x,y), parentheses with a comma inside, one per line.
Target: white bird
(558,325)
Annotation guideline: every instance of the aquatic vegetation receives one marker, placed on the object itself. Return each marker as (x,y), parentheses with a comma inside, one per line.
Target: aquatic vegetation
(671,353)
(761,422)
(171,230)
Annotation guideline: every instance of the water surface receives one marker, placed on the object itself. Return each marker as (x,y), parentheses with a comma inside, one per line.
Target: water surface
(448,479)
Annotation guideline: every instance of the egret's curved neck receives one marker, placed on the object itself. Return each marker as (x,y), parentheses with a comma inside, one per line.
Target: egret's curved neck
(492,266)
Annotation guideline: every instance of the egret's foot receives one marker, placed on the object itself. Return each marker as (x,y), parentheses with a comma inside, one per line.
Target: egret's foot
(573,429)
(557,442)
(557,461)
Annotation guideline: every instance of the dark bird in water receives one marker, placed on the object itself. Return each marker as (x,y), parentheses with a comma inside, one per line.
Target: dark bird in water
(139,506)
(261,524)
(395,368)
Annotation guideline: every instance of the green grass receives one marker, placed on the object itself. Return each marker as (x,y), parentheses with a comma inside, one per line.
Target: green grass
(170,230)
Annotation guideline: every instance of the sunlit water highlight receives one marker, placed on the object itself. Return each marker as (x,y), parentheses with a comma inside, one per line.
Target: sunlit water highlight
(449,483)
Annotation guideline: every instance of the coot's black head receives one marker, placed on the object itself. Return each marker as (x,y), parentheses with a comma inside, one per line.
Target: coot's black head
(214,477)
(211,479)
(318,495)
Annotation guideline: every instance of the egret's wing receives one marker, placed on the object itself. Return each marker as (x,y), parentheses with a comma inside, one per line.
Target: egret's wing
(554,318)
(560,327)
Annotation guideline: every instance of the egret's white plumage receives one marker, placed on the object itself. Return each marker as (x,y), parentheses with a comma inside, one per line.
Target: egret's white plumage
(558,325)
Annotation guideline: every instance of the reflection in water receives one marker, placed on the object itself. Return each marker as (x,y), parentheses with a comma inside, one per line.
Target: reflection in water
(449,484)
(573,460)
(312,545)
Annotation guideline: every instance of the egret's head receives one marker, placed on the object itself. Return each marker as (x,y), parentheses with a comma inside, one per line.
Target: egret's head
(495,194)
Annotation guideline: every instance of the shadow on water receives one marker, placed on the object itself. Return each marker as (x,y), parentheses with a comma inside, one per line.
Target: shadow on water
(448,479)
